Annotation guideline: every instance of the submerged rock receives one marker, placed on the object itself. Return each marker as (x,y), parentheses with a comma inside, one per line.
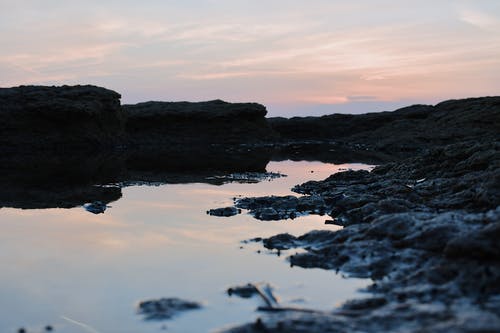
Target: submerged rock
(165,308)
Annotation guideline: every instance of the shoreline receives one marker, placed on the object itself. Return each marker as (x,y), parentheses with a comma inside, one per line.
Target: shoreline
(423,225)
(424,229)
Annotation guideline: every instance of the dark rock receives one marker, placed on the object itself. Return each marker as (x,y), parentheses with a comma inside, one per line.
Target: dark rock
(245,291)
(196,123)
(482,243)
(225,212)
(403,131)
(280,242)
(425,229)
(281,208)
(365,304)
(96,207)
(165,308)
(54,119)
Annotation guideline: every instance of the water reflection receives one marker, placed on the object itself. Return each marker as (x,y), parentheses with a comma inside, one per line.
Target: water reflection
(66,266)
(66,181)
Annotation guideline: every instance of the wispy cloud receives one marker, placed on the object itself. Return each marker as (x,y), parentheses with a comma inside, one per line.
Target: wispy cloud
(290,52)
(479,19)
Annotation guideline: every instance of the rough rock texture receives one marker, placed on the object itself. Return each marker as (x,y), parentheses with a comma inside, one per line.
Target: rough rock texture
(196,123)
(38,118)
(282,208)
(409,129)
(426,231)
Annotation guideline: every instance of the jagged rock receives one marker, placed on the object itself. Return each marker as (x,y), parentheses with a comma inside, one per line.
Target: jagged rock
(425,229)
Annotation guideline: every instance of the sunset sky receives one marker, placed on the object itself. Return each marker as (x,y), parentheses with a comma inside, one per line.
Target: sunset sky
(296,57)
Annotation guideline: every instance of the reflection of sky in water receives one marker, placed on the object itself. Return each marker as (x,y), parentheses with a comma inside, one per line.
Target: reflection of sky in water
(154,242)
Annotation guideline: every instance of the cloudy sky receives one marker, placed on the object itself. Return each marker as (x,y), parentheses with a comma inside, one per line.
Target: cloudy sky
(296,57)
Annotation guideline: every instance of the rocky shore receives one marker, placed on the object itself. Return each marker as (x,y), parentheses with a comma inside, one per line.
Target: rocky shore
(424,225)
(425,230)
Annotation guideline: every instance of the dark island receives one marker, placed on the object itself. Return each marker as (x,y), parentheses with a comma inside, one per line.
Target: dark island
(424,225)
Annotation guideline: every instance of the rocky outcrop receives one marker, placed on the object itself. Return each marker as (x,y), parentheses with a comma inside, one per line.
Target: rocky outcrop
(38,118)
(424,229)
(410,129)
(202,123)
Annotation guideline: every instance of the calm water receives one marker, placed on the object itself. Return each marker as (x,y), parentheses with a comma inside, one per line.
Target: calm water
(81,272)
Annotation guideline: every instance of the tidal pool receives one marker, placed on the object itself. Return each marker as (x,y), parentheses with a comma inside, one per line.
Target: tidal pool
(80,272)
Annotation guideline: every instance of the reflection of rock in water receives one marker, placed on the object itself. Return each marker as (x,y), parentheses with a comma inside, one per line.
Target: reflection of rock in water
(70,180)
(165,308)
(63,181)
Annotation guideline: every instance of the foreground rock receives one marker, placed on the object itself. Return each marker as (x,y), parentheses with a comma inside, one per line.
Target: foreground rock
(34,118)
(425,230)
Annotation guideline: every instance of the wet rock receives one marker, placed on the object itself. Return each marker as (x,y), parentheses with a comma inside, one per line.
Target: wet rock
(225,212)
(165,308)
(481,243)
(280,242)
(275,208)
(365,304)
(96,207)
(425,229)
(245,291)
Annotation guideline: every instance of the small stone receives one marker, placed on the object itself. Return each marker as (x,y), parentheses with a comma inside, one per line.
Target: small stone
(224,212)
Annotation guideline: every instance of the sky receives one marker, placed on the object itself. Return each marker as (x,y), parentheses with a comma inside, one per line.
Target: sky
(296,57)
